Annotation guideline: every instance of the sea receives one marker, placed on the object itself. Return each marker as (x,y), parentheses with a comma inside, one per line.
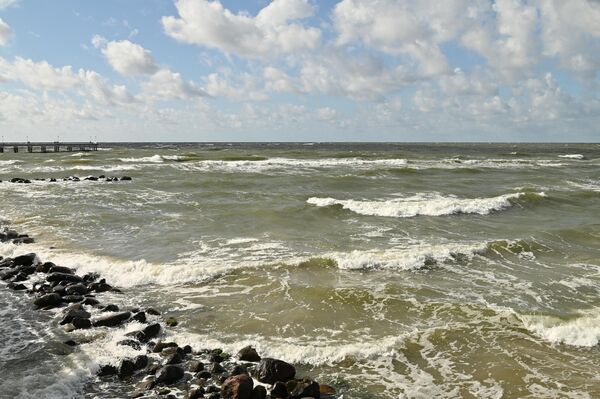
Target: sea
(385,270)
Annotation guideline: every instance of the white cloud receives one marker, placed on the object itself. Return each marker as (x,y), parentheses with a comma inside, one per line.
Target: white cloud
(273,30)
(245,89)
(167,85)
(128,58)
(99,41)
(5,33)
(40,75)
(7,3)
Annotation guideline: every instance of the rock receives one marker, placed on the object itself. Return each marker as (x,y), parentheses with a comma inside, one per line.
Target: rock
(74,313)
(270,370)
(90,277)
(216,357)
(110,308)
(44,267)
(16,287)
(126,369)
(99,287)
(91,301)
(239,369)
(145,385)
(23,240)
(237,387)
(72,298)
(303,388)
(107,370)
(279,391)
(326,389)
(91,178)
(162,345)
(140,362)
(48,301)
(169,374)
(125,178)
(112,320)
(175,358)
(61,269)
(171,322)
(259,392)
(57,277)
(130,342)
(195,393)
(204,375)
(139,316)
(216,368)
(70,343)
(194,366)
(78,289)
(25,260)
(153,312)
(187,349)
(149,332)
(81,324)
(248,354)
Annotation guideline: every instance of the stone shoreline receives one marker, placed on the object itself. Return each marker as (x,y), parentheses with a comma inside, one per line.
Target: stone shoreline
(166,369)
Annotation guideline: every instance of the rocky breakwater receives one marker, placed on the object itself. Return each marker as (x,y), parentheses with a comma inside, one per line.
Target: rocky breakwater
(101,178)
(162,368)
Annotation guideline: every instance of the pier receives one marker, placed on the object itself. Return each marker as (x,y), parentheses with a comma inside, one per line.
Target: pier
(41,147)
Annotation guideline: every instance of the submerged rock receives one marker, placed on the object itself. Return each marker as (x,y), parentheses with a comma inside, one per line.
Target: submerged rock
(75,313)
(237,387)
(48,301)
(112,320)
(303,388)
(271,370)
(107,370)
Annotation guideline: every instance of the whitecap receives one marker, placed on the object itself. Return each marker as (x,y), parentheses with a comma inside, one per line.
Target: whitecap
(572,156)
(583,330)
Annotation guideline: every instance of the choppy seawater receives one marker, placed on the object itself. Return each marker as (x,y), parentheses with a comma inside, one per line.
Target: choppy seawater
(384,270)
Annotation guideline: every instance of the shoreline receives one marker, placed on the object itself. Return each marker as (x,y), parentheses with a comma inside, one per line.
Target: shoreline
(162,369)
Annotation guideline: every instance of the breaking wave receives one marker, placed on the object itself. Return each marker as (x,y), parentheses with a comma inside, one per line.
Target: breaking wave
(423,204)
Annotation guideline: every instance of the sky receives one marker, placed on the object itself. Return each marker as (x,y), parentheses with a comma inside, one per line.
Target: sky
(300,70)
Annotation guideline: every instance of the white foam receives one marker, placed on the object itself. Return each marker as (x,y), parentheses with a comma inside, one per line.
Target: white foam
(10,162)
(572,156)
(582,331)
(154,159)
(413,257)
(422,204)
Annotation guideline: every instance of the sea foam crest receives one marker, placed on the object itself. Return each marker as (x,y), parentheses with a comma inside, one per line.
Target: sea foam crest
(582,331)
(154,159)
(423,205)
(572,156)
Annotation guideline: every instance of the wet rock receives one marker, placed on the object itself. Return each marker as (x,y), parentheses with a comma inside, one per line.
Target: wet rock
(204,375)
(78,289)
(131,343)
(139,316)
(326,389)
(145,385)
(239,369)
(126,178)
(23,240)
(126,369)
(175,358)
(16,287)
(169,374)
(57,277)
(91,301)
(48,301)
(216,356)
(140,362)
(110,308)
(195,393)
(153,312)
(171,322)
(61,269)
(81,324)
(194,366)
(25,260)
(259,392)
(90,277)
(72,298)
(270,370)
(216,368)
(162,345)
(107,370)
(75,313)
(303,388)
(279,391)
(237,387)
(91,178)
(20,277)
(44,267)
(100,286)
(70,343)
(248,354)
(187,349)
(112,320)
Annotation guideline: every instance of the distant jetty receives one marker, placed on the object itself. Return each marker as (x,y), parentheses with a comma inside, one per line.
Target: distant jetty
(41,147)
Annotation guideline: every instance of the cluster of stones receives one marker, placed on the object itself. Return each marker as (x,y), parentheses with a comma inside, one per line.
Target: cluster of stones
(15,238)
(166,369)
(22,180)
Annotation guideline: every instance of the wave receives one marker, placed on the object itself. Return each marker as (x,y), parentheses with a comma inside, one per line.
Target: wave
(10,162)
(582,330)
(572,156)
(424,204)
(157,159)
(412,258)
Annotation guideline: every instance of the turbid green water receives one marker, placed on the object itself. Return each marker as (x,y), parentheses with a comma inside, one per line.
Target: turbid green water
(384,270)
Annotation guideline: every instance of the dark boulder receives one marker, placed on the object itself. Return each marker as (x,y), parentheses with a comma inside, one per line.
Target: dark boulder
(204,375)
(162,345)
(91,301)
(237,387)
(153,312)
(194,366)
(175,358)
(44,267)
(195,393)
(304,388)
(57,277)
(90,277)
(78,289)
(81,324)
(107,370)
(48,301)
(279,391)
(126,369)
(112,320)
(23,240)
(100,286)
(140,362)
(139,316)
(216,368)
(259,392)
(269,371)
(70,343)
(61,269)
(130,342)
(16,287)
(72,298)
(25,260)
(239,369)
(75,313)
(169,374)
(125,178)
(171,322)
(248,354)
(110,308)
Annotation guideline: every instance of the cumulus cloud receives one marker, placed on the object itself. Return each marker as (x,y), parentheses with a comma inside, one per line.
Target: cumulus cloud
(168,85)
(7,3)
(274,30)
(5,33)
(127,58)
